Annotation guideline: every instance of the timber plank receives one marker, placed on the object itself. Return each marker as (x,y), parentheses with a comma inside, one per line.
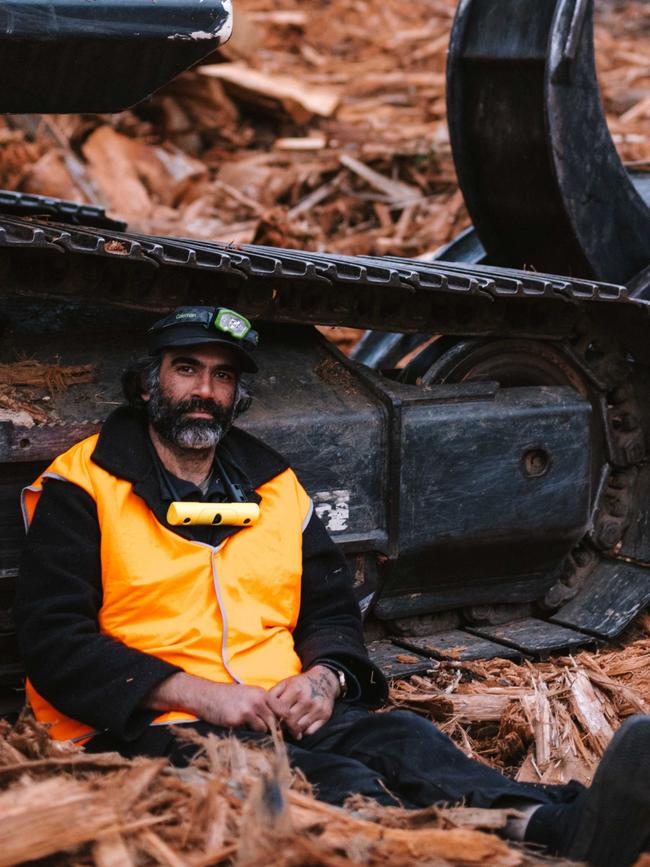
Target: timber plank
(41,442)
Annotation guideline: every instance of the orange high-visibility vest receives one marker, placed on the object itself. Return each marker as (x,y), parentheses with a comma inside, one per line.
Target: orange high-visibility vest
(224,613)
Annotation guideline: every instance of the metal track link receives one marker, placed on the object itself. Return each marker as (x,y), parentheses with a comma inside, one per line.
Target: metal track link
(28,205)
(293,286)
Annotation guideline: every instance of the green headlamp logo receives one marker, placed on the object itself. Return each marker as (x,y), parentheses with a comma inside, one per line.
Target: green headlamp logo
(232,323)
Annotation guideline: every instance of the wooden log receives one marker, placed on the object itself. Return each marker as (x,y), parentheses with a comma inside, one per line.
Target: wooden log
(41,442)
(42,818)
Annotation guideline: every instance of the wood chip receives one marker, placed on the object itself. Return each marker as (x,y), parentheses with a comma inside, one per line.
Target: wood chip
(299,100)
(283,17)
(312,143)
(112,851)
(396,192)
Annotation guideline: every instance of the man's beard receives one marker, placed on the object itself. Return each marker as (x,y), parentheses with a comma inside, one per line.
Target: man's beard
(167,419)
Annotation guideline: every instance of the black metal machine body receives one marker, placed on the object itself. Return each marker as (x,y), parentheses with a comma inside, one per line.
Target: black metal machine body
(536,162)
(491,496)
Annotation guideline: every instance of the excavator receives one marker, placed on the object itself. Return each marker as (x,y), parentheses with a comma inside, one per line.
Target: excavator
(491,492)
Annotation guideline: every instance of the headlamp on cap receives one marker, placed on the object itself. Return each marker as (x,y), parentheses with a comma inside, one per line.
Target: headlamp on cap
(189,326)
(232,323)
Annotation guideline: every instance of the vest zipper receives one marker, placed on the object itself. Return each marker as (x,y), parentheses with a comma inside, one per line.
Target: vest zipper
(224,618)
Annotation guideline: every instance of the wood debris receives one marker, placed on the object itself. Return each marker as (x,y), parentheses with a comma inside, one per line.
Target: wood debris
(45,817)
(241,804)
(54,377)
(21,412)
(23,384)
(545,722)
(233,803)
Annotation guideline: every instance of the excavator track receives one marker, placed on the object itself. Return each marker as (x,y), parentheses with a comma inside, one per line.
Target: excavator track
(119,268)
(594,331)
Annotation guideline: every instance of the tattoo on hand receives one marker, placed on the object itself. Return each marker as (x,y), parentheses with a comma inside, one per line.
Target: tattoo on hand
(320,685)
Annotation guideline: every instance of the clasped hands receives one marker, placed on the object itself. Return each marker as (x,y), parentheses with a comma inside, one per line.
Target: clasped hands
(302,703)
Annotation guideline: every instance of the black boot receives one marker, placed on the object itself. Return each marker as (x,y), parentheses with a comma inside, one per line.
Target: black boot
(609,824)
(614,825)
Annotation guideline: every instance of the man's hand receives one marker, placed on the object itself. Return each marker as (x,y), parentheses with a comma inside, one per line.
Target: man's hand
(231,705)
(305,702)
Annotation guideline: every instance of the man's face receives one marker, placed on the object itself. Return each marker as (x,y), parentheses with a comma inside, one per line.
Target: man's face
(193,405)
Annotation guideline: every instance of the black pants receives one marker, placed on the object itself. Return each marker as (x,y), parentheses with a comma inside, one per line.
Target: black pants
(394,758)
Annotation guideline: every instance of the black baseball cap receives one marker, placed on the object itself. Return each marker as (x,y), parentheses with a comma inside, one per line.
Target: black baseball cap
(192,326)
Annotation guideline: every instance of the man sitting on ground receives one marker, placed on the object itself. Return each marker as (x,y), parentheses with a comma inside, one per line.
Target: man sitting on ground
(129,621)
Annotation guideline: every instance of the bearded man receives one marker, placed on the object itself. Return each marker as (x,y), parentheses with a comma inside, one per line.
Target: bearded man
(130,619)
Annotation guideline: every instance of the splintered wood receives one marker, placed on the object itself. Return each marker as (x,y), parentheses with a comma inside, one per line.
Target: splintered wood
(241,805)
(319,125)
(547,722)
(233,804)
(54,377)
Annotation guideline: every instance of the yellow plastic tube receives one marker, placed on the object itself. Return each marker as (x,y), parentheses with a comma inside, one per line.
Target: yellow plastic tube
(233,514)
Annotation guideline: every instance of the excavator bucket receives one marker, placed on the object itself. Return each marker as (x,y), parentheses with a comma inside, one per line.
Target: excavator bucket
(76,56)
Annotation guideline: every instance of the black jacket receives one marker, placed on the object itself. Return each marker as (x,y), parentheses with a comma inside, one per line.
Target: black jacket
(101,681)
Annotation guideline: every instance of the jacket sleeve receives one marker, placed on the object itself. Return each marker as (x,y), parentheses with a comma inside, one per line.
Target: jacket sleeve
(329,623)
(86,675)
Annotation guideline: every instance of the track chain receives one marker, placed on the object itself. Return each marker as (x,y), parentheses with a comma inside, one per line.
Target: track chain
(258,265)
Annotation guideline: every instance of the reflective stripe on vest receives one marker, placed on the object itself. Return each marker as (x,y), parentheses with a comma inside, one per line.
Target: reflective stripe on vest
(225,613)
